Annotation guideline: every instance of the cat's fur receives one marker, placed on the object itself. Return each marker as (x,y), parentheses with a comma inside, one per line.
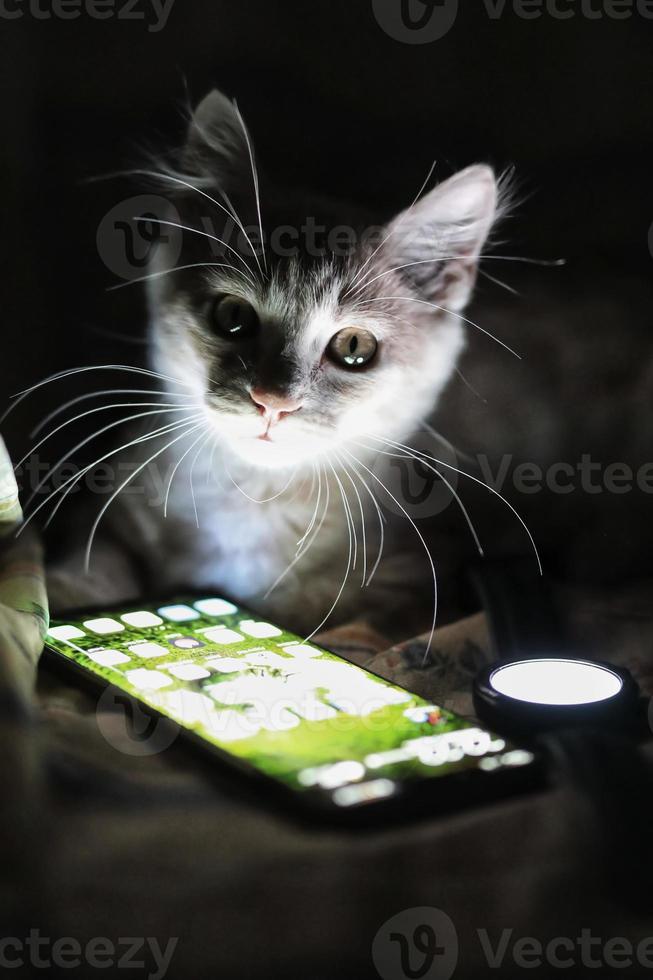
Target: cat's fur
(410,293)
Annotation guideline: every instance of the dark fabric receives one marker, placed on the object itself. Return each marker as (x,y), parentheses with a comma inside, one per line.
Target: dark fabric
(168,846)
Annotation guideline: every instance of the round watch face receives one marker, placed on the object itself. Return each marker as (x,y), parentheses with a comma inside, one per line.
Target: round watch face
(532,696)
(556,681)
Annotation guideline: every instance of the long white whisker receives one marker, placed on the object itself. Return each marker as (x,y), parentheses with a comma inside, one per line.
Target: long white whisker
(420,536)
(299,553)
(179,268)
(499,282)
(398,268)
(203,234)
(210,471)
(381,519)
(345,469)
(139,469)
(85,441)
(344,581)
(255,180)
(482,258)
(20,395)
(311,523)
(454,494)
(176,467)
(440,462)
(445,442)
(93,411)
(255,500)
(192,468)
(71,481)
(351,527)
(325,513)
(391,232)
(97,394)
(186,183)
(434,306)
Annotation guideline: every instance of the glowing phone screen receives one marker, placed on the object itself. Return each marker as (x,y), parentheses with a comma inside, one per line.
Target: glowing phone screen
(291,710)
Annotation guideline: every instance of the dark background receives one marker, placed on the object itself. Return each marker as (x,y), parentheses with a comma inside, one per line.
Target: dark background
(332,102)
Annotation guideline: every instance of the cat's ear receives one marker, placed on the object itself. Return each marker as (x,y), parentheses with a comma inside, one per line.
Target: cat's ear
(216,145)
(439,240)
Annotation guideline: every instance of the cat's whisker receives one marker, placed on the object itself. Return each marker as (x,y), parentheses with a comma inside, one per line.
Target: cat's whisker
(255,500)
(449,466)
(447,258)
(313,519)
(94,411)
(547,263)
(380,517)
(211,471)
(255,181)
(346,575)
(300,552)
(499,282)
(421,538)
(78,476)
(139,469)
(171,427)
(459,316)
(59,375)
(176,467)
(85,441)
(351,527)
(203,234)
(180,268)
(230,213)
(97,394)
(448,485)
(445,442)
(192,469)
(469,385)
(392,231)
(345,469)
(398,268)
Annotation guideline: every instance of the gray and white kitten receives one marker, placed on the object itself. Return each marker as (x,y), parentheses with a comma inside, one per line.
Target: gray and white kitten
(292,368)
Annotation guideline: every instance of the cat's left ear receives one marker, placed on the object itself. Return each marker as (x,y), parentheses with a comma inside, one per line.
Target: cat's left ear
(439,240)
(217,143)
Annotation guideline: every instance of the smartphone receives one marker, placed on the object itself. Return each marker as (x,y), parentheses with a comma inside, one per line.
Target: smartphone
(324,732)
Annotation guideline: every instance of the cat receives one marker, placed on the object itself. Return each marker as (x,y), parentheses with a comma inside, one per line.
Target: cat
(298,377)
(290,367)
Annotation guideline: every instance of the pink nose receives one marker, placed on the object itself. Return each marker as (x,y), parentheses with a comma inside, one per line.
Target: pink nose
(274,407)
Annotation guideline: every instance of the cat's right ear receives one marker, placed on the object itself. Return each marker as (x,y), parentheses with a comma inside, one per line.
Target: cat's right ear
(216,146)
(438,241)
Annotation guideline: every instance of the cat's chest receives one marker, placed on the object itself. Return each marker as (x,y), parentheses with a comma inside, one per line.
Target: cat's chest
(248,540)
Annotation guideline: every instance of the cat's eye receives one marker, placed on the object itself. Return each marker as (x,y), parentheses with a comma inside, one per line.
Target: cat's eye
(352,347)
(234,318)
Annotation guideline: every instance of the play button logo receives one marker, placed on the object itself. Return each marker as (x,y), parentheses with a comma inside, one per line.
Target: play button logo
(416,21)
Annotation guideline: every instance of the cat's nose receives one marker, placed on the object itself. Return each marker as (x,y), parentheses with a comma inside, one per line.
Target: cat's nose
(273,407)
